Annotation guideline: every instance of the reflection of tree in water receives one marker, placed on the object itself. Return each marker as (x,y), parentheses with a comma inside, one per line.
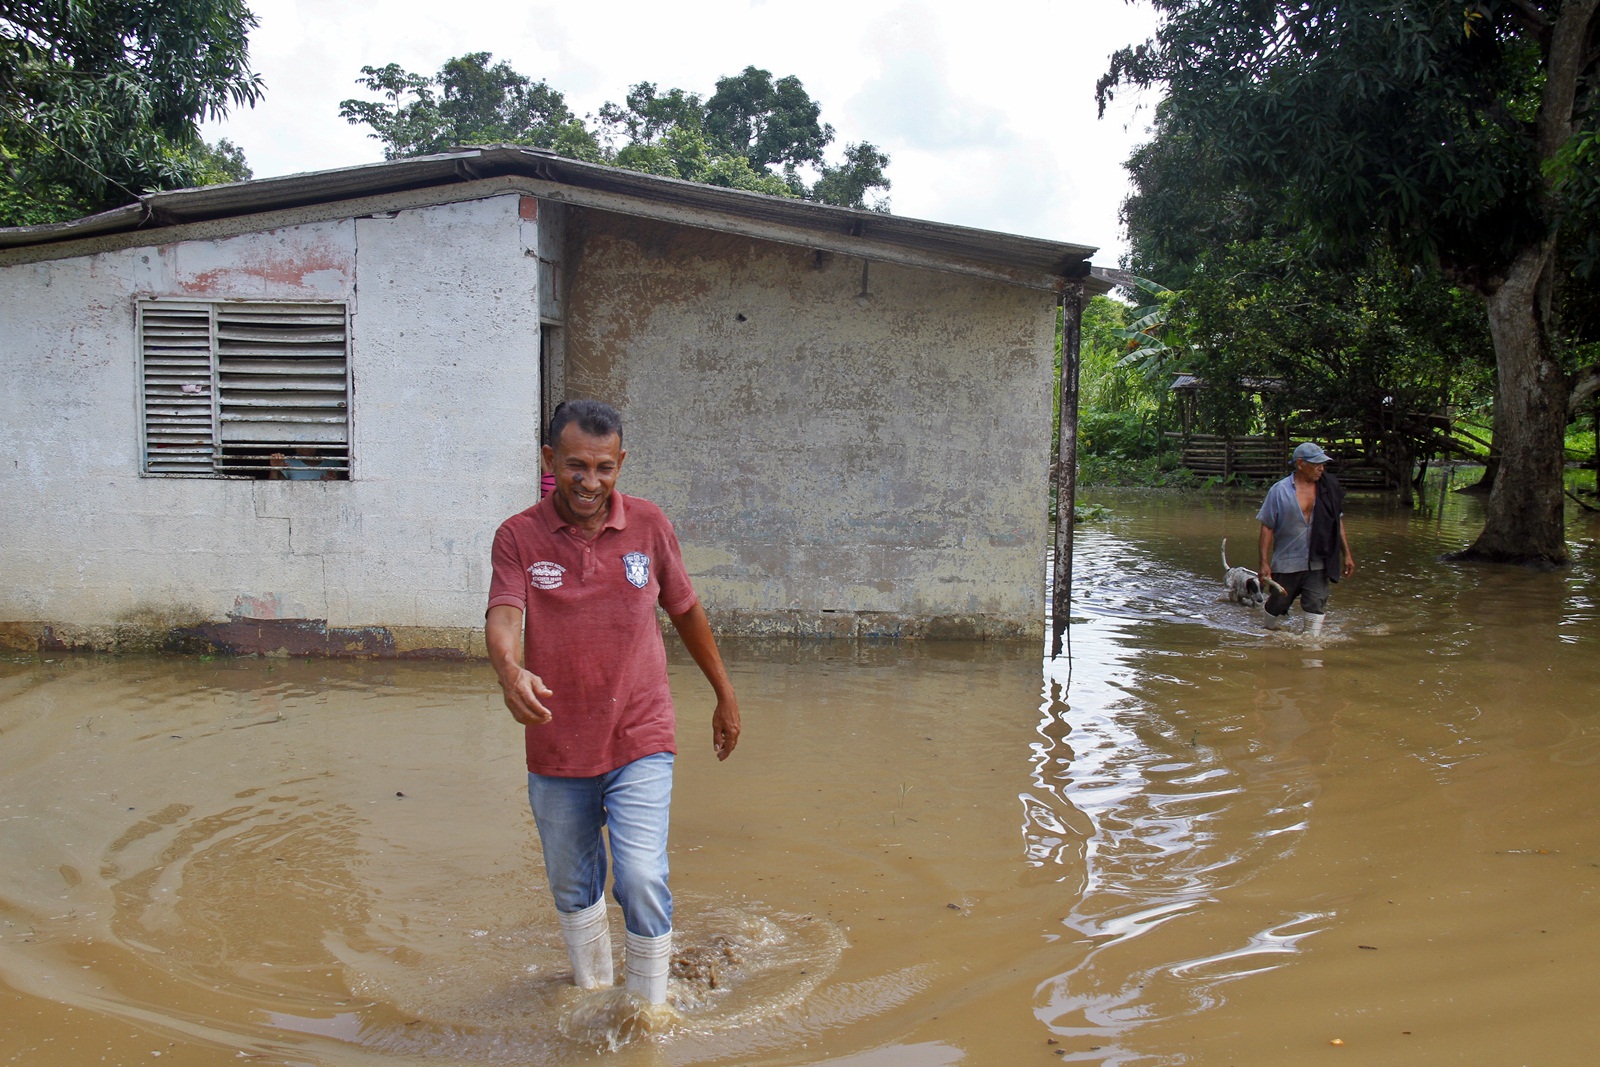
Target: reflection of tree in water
(1171,804)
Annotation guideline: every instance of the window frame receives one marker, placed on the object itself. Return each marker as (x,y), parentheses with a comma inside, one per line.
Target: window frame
(195,423)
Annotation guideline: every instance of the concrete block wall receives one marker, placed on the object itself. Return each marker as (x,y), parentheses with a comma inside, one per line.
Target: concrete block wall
(845,448)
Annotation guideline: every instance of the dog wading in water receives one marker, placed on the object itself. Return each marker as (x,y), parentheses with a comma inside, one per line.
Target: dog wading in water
(1243,585)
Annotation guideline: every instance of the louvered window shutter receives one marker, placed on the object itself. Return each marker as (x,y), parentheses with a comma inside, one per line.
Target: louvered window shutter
(180,420)
(263,379)
(282,383)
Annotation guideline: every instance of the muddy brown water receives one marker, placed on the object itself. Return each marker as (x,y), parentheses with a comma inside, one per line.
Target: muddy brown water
(1221,847)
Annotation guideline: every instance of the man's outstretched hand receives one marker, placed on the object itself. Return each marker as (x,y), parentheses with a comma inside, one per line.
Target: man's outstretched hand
(525,692)
(725,727)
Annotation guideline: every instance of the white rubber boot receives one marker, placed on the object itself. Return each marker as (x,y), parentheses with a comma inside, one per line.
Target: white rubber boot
(1271,621)
(647,964)
(588,937)
(1314,626)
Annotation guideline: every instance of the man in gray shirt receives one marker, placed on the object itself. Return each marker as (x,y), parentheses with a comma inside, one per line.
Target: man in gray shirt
(1303,543)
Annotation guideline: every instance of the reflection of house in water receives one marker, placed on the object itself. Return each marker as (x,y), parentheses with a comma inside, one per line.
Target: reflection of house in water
(289,413)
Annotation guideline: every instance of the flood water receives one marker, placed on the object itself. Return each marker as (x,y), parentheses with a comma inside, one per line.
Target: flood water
(1189,843)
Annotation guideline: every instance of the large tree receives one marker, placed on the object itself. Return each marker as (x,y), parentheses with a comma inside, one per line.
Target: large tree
(753,133)
(768,122)
(1357,337)
(1437,127)
(100,100)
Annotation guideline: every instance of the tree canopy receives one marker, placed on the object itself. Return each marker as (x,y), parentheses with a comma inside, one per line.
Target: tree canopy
(1356,337)
(101,100)
(1433,136)
(468,101)
(753,132)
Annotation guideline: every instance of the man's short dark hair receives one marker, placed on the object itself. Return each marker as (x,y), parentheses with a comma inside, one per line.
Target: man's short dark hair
(594,417)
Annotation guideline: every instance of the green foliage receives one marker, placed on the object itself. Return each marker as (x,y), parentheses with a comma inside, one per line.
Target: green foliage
(1151,472)
(1355,116)
(1108,380)
(1155,344)
(1119,408)
(1089,512)
(467,102)
(1329,179)
(1280,337)
(848,184)
(768,122)
(221,162)
(750,125)
(101,99)
(1115,433)
(667,136)
(1574,173)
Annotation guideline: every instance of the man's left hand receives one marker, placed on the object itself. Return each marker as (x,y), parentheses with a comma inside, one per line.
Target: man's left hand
(725,727)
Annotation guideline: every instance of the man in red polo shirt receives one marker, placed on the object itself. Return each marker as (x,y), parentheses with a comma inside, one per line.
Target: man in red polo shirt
(573,638)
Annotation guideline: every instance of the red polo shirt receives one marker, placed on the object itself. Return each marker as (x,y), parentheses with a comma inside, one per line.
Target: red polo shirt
(590,631)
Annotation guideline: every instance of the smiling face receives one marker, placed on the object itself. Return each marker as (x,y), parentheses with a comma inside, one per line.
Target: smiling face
(586,469)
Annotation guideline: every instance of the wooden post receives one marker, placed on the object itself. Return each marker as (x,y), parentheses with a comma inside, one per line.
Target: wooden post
(1066,463)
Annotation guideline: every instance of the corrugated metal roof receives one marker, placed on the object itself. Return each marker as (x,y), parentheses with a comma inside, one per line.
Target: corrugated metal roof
(443,171)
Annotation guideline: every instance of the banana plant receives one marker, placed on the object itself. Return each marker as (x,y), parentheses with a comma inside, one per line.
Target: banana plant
(1153,339)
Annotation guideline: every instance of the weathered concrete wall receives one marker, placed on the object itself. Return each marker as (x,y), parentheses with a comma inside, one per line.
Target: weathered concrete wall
(845,449)
(444,355)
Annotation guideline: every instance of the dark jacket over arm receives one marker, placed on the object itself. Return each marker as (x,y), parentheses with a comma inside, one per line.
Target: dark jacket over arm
(1325,516)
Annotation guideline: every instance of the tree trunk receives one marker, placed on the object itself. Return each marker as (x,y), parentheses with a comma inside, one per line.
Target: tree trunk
(1526,519)
(1525,522)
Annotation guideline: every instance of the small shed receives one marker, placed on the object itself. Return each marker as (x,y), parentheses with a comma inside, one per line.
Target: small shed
(286,415)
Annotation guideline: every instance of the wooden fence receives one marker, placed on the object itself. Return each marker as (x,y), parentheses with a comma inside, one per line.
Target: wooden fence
(1266,459)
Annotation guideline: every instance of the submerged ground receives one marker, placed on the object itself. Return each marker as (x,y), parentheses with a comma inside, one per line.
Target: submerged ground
(1189,843)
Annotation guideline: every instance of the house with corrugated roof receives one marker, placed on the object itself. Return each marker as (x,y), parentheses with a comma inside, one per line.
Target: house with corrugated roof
(287,415)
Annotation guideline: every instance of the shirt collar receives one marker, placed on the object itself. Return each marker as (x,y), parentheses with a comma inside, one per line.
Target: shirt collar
(617,519)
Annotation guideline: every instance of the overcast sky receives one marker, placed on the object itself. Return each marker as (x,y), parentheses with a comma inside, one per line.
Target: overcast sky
(986,109)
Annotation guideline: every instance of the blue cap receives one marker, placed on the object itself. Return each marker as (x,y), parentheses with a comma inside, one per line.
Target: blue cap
(1310,453)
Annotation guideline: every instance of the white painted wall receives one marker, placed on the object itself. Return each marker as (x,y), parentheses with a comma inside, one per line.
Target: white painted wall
(445,365)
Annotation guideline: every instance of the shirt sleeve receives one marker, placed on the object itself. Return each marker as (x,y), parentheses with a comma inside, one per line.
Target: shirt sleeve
(1268,515)
(508,585)
(677,592)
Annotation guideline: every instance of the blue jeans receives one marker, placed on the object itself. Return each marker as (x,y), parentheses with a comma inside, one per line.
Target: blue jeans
(632,803)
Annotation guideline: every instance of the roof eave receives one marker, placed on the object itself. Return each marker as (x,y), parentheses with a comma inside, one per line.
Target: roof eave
(180,206)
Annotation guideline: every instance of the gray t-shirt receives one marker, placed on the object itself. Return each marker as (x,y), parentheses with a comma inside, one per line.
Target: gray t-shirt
(1291,530)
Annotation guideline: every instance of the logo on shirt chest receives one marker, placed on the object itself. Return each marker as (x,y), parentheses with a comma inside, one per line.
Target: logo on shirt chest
(636,566)
(546,575)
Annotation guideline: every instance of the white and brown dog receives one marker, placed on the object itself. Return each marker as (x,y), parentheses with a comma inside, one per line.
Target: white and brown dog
(1243,585)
